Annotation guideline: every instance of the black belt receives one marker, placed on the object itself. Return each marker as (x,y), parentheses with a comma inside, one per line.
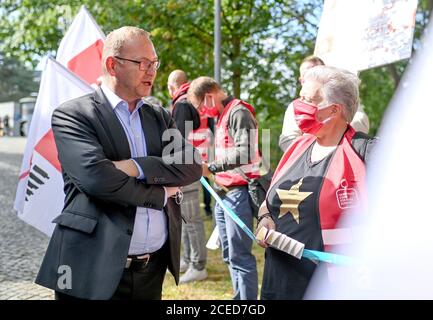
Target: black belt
(137,262)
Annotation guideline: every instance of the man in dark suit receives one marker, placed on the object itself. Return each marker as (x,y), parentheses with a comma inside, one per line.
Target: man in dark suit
(120,227)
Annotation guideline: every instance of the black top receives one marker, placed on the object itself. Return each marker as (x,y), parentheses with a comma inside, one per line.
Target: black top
(184,111)
(312,175)
(286,277)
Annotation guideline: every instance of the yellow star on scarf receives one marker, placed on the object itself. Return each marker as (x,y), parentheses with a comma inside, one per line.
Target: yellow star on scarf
(290,200)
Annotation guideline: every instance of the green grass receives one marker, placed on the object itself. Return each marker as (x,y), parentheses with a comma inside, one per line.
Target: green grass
(218,285)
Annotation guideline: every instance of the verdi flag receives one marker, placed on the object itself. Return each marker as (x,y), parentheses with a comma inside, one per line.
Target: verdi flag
(81,48)
(40,196)
(40,189)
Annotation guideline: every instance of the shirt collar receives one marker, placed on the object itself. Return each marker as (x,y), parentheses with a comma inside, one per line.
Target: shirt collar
(115,100)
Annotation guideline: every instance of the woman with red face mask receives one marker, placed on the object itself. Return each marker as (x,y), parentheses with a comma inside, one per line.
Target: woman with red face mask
(319,177)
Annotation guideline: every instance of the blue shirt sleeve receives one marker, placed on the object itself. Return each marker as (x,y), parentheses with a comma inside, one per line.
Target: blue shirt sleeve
(140,171)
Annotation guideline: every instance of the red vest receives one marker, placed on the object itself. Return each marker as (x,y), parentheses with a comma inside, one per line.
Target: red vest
(224,145)
(343,186)
(201,137)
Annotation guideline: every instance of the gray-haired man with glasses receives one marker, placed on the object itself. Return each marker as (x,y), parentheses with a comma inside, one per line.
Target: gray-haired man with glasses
(121,226)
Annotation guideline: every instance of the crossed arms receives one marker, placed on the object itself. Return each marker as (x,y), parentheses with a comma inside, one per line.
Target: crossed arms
(84,162)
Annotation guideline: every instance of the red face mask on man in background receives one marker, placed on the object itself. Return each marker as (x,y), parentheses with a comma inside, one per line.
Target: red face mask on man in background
(210,110)
(306,117)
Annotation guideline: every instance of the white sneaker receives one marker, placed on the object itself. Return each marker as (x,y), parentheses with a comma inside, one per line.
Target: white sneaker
(183,266)
(193,275)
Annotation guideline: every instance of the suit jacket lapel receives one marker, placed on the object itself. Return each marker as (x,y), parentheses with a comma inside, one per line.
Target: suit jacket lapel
(152,131)
(112,126)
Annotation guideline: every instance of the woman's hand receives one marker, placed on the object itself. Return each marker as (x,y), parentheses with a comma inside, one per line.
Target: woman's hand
(265,220)
(269,224)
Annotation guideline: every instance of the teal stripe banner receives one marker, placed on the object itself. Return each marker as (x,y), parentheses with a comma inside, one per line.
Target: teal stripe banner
(309,254)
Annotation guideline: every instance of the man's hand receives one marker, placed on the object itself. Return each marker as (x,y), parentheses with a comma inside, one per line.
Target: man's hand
(128,167)
(206,173)
(171,191)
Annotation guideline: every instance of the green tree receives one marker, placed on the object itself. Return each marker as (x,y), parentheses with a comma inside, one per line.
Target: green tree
(263,43)
(16,81)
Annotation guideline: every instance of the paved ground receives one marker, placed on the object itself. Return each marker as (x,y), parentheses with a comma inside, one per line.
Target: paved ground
(21,246)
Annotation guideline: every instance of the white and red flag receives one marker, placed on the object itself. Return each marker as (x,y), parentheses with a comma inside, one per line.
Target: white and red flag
(40,196)
(81,48)
(40,188)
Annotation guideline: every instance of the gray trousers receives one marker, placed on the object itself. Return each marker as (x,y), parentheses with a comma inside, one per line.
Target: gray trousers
(193,235)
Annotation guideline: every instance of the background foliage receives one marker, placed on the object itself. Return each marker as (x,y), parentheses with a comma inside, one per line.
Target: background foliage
(263,43)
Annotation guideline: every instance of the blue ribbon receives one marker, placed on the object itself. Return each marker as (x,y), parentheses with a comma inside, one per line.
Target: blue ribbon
(309,254)
(229,211)
(327,257)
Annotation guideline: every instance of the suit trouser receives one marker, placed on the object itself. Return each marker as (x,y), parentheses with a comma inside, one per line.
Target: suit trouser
(144,283)
(236,245)
(193,234)
(139,284)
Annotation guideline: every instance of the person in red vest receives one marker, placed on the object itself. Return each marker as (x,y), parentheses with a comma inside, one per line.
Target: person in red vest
(192,126)
(320,176)
(236,148)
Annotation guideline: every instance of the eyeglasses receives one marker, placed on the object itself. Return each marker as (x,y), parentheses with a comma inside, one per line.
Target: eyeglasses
(143,65)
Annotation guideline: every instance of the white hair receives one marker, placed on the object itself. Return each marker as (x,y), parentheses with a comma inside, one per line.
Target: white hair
(338,86)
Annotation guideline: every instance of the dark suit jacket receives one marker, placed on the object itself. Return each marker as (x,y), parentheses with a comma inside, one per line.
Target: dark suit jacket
(94,231)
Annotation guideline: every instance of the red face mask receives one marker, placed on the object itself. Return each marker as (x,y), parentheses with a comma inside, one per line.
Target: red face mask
(210,111)
(306,117)
(202,112)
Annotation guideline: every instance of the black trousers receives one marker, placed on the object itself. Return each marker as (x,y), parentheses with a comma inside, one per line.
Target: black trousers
(207,200)
(139,284)
(144,283)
